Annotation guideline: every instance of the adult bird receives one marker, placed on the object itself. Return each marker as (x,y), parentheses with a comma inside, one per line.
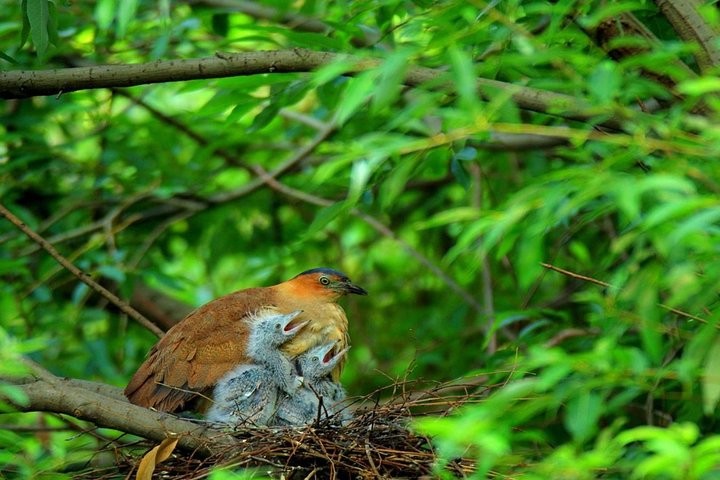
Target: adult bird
(212,340)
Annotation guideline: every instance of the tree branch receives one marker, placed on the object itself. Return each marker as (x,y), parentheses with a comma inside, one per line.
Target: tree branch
(686,19)
(24,83)
(82,276)
(105,406)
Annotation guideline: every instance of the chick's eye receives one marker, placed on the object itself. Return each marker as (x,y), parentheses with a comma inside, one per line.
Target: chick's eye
(324,281)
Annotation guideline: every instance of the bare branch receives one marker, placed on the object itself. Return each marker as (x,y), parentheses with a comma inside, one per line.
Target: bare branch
(105,406)
(585,278)
(82,276)
(24,83)
(689,24)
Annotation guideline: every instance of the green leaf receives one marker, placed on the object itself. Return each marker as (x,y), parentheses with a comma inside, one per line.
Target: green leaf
(25,33)
(395,182)
(464,77)
(711,379)
(451,215)
(125,14)
(8,58)
(359,176)
(325,216)
(331,71)
(15,394)
(582,414)
(530,253)
(38,14)
(702,222)
(105,14)
(604,82)
(221,24)
(699,86)
(356,93)
(263,118)
(389,83)
(648,311)
(459,172)
(52,23)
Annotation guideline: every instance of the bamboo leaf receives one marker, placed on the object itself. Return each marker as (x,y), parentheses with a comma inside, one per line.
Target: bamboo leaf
(38,14)
(711,379)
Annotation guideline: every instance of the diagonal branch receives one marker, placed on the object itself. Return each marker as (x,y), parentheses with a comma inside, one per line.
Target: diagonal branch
(687,20)
(82,276)
(585,278)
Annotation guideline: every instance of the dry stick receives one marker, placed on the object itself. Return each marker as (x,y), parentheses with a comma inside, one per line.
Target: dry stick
(607,285)
(82,276)
(476,202)
(575,275)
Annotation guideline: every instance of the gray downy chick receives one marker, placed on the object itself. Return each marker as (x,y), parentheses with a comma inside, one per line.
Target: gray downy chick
(319,396)
(249,393)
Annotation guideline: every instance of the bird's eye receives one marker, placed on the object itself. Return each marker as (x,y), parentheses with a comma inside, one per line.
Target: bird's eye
(324,281)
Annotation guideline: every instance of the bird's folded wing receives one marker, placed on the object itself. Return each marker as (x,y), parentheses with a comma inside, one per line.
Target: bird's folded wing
(197,352)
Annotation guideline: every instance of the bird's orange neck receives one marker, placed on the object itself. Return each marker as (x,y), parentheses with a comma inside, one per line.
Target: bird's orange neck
(304,291)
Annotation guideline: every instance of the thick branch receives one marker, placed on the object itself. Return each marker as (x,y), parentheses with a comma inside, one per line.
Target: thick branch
(105,406)
(686,19)
(22,83)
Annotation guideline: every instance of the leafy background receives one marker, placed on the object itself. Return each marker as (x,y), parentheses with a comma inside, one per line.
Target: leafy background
(569,269)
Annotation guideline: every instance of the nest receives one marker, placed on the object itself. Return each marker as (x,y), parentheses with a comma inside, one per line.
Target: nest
(375,443)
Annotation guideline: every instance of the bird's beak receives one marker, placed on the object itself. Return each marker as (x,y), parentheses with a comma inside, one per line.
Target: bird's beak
(332,358)
(290,328)
(352,288)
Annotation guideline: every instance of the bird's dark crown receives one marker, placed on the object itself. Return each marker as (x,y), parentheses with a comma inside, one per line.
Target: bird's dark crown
(326,271)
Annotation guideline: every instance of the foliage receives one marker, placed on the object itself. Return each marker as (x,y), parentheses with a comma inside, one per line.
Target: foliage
(571,263)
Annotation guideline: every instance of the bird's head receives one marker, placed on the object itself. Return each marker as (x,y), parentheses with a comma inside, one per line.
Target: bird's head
(319,361)
(270,330)
(324,283)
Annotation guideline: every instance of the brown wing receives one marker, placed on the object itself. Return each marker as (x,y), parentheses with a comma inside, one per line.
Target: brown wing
(194,354)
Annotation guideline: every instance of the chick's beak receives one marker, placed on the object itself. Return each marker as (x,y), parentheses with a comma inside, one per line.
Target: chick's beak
(352,288)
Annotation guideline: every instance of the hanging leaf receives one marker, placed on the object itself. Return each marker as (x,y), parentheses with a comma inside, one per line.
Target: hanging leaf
(25,33)
(155,456)
(126,13)
(221,24)
(711,379)
(325,216)
(8,58)
(582,414)
(38,14)
(105,14)
(357,92)
(263,118)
